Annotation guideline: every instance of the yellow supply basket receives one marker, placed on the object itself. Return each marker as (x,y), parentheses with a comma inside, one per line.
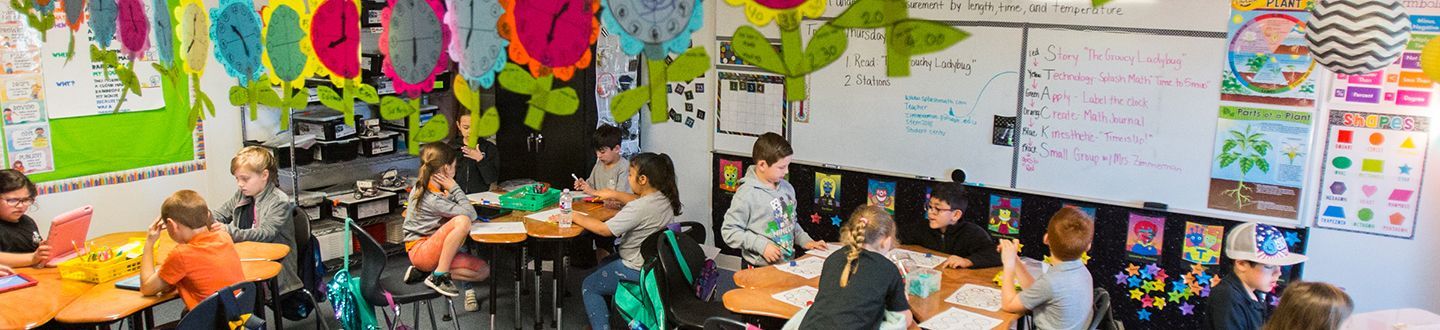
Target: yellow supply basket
(79,269)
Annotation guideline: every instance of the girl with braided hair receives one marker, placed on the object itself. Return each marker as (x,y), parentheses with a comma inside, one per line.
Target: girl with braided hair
(862,288)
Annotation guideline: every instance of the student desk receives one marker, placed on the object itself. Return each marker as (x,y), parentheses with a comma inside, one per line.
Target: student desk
(495,241)
(757,285)
(34,306)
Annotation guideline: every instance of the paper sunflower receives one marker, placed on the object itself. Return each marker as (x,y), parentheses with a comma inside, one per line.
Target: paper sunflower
(413,42)
(475,44)
(335,38)
(787,13)
(551,36)
(656,27)
(134,26)
(74,14)
(287,45)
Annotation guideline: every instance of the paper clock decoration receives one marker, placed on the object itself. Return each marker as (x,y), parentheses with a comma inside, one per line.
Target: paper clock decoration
(786,13)
(335,37)
(414,44)
(103,16)
(287,45)
(656,29)
(235,33)
(194,35)
(74,17)
(475,44)
(163,24)
(1357,36)
(551,36)
(134,27)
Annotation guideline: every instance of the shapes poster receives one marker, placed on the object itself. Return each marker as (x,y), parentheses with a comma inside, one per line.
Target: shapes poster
(827,191)
(1373,165)
(1005,216)
(1259,163)
(1267,58)
(730,172)
(1202,243)
(881,193)
(1402,84)
(1145,237)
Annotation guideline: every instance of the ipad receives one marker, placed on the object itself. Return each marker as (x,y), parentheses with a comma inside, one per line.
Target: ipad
(131,283)
(15,282)
(67,231)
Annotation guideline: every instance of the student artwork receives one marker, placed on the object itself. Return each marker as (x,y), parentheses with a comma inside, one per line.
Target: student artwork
(1005,216)
(730,171)
(656,29)
(479,51)
(552,39)
(1268,59)
(335,38)
(287,54)
(195,50)
(74,18)
(236,33)
(959,319)
(1145,238)
(882,194)
(1357,36)
(800,297)
(977,297)
(414,46)
(827,191)
(1202,243)
(39,14)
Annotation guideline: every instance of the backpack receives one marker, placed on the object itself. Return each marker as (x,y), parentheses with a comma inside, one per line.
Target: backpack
(639,303)
(344,293)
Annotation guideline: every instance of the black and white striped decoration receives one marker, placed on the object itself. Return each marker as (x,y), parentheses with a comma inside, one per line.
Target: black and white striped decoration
(1357,36)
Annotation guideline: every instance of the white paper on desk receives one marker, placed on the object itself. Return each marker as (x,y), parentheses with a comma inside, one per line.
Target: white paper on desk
(800,297)
(485,198)
(804,267)
(829,249)
(490,228)
(959,319)
(545,216)
(975,296)
(918,259)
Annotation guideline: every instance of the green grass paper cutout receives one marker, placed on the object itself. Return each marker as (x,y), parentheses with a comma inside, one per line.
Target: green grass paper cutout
(562,101)
(690,65)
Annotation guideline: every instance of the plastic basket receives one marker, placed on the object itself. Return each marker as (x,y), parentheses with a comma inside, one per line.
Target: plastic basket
(527,199)
(99,271)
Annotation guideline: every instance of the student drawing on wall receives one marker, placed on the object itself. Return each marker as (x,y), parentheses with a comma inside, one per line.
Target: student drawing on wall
(1145,237)
(40,141)
(1202,243)
(880,195)
(1144,244)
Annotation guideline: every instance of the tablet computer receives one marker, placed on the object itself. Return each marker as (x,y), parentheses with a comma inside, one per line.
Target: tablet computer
(15,282)
(68,231)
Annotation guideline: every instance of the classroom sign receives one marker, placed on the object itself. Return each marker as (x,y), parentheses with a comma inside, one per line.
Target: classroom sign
(1259,163)
(1268,60)
(1401,85)
(1373,168)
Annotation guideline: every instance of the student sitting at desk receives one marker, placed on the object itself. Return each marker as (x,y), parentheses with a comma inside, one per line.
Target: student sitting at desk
(611,171)
(20,240)
(968,244)
(1063,297)
(1239,302)
(205,261)
(259,211)
(857,291)
(478,168)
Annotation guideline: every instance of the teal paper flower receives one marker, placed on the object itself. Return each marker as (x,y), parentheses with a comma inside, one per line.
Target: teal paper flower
(657,27)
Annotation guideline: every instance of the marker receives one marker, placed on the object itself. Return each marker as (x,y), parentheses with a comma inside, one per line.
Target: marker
(793,264)
(572,175)
(484,219)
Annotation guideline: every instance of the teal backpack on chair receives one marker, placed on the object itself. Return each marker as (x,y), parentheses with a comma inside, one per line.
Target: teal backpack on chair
(351,308)
(640,303)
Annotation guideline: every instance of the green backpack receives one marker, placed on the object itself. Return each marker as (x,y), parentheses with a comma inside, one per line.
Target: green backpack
(640,303)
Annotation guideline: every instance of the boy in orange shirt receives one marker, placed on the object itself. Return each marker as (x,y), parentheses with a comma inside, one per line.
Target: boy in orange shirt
(204,262)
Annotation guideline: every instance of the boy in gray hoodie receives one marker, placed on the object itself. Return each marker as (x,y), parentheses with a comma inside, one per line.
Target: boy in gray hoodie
(761,219)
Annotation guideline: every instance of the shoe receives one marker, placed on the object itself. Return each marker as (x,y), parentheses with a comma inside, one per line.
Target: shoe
(443,285)
(413,275)
(471,303)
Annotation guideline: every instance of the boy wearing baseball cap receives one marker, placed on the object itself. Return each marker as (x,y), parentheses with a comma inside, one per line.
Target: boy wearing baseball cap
(1239,302)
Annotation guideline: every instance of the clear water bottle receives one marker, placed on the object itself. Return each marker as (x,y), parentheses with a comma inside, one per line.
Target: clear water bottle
(565,209)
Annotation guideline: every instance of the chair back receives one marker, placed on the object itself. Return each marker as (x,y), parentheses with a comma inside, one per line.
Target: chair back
(225,305)
(372,264)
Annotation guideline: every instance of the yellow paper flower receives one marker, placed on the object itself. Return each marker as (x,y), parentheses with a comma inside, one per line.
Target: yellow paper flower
(787,13)
(288,53)
(194,33)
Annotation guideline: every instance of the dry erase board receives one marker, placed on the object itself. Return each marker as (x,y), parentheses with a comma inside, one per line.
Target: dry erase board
(1115,104)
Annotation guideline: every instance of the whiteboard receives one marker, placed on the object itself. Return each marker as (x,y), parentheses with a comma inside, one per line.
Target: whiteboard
(77,87)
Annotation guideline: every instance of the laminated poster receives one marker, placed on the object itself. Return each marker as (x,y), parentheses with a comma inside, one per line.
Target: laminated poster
(1202,243)
(1145,237)
(827,191)
(1267,58)
(1372,172)
(1259,162)
(882,194)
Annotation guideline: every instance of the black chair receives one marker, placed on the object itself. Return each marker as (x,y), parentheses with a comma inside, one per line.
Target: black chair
(722,323)
(695,230)
(304,263)
(380,273)
(222,307)
(1103,318)
(683,308)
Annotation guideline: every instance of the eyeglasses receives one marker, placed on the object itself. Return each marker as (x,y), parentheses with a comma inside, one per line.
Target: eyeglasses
(935,210)
(16,202)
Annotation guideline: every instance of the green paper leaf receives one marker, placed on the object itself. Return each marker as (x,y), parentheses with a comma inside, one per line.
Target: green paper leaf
(468,98)
(915,37)
(826,46)
(268,97)
(367,93)
(752,47)
(487,125)
(872,14)
(1098,3)
(628,103)
(563,101)
(438,128)
(329,97)
(688,66)
(297,101)
(205,99)
(239,95)
(70,50)
(394,108)
(517,79)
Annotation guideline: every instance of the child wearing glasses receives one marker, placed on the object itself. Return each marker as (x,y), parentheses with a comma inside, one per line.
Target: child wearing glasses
(20,241)
(968,245)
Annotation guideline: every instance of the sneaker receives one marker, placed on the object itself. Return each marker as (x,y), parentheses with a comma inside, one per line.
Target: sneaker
(413,275)
(442,284)
(471,303)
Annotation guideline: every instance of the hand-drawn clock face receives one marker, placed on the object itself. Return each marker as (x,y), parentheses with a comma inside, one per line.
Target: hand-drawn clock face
(415,40)
(476,46)
(134,27)
(556,33)
(335,35)
(236,34)
(652,21)
(74,13)
(284,47)
(164,31)
(194,35)
(103,15)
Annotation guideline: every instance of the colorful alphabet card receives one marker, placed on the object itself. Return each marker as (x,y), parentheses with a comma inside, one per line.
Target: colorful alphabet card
(881,193)
(1373,165)
(1005,216)
(1145,237)
(1202,243)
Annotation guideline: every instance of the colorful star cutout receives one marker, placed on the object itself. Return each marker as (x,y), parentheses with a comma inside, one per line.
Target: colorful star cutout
(835,220)
(1175,296)
(1178,285)
(1405,169)
(1160,304)
(1158,285)
(1205,292)
(1121,278)
(1144,315)
(1134,282)
(1214,281)
(1197,268)
(1274,300)
(1147,302)
(815,218)
(1048,260)
(1135,294)
(1187,309)
(1085,258)
(1152,269)
(1161,276)
(1292,238)
(1132,270)
(1147,286)
(1203,277)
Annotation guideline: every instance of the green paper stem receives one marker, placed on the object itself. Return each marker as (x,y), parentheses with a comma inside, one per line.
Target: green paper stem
(474,136)
(286,92)
(541,92)
(659,94)
(347,100)
(413,123)
(794,57)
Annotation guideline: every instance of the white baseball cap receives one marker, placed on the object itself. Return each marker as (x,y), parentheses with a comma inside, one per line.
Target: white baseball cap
(1260,243)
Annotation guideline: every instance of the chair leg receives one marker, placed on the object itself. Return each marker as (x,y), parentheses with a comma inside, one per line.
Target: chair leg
(539,277)
(519,261)
(415,317)
(456,319)
(431,309)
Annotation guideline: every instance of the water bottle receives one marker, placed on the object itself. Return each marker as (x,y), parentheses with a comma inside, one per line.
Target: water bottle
(565,200)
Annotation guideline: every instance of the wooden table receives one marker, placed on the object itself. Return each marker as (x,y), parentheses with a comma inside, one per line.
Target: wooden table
(758,285)
(34,306)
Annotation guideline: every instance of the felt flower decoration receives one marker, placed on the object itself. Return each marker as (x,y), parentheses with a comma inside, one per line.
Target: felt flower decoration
(194,35)
(134,25)
(413,42)
(235,32)
(787,13)
(335,38)
(475,44)
(658,27)
(551,37)
(288,52)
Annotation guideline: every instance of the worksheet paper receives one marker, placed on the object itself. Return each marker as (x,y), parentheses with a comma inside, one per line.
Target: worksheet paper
(975,296)
(800,297)
(806,267)
(958,319)
(491,228)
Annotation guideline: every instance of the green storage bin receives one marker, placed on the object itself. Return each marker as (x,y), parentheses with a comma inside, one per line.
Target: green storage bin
(526,199)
